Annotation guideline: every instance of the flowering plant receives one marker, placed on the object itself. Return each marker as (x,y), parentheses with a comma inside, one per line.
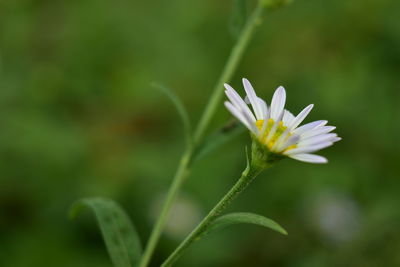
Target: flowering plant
(275,134)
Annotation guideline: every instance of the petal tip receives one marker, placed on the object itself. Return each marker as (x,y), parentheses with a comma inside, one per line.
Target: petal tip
(248,87)
(280,91)
(324,161)
(281,88)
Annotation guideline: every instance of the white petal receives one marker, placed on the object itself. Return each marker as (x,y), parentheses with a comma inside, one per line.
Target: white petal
(308,149)
(253,99)
(309,158)
(317,139)
(242,117)
(302,115)
(291,141)
(237,101)
(262,105)
(310,126)
(235,112)
(318,131)
(323,123)
(287,117)
(264,108)
(278,103)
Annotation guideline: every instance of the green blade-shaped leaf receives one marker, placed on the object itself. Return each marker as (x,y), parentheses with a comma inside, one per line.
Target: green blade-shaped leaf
(238,17)
(118,232)
(244,217)
(219,138)
(180,109)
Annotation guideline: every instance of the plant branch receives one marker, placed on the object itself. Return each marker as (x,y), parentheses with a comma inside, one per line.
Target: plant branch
(184,165)
(247,177)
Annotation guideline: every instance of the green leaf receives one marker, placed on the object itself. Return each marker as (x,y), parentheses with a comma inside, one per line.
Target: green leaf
(238,17)
(118,232)
(219,138)
(243,217)
(180,109)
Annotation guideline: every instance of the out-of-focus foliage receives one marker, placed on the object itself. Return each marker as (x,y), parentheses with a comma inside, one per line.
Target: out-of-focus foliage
(119,234)
(79,118)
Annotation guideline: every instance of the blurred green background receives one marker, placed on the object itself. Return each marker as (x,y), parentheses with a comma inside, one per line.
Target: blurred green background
(78,118)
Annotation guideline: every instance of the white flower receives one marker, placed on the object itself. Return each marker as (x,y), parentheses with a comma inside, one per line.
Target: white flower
(277,128)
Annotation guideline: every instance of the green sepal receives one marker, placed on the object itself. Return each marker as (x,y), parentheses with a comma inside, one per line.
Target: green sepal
(261,156)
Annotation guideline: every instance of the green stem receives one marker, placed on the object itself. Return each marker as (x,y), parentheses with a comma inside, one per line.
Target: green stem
(184,166)
(180,176)
(247,177)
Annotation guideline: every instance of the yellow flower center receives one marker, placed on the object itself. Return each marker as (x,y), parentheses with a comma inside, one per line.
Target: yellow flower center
(269,138)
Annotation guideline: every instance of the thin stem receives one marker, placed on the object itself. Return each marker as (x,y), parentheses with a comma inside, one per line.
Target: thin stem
(180,175)
(247,177)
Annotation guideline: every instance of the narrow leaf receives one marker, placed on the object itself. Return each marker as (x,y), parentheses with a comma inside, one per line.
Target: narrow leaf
(238,17)
(244,217)
(219,138)
(118,232)
(180,109)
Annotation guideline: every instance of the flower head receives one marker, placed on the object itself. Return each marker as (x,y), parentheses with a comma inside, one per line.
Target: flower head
(276,129)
